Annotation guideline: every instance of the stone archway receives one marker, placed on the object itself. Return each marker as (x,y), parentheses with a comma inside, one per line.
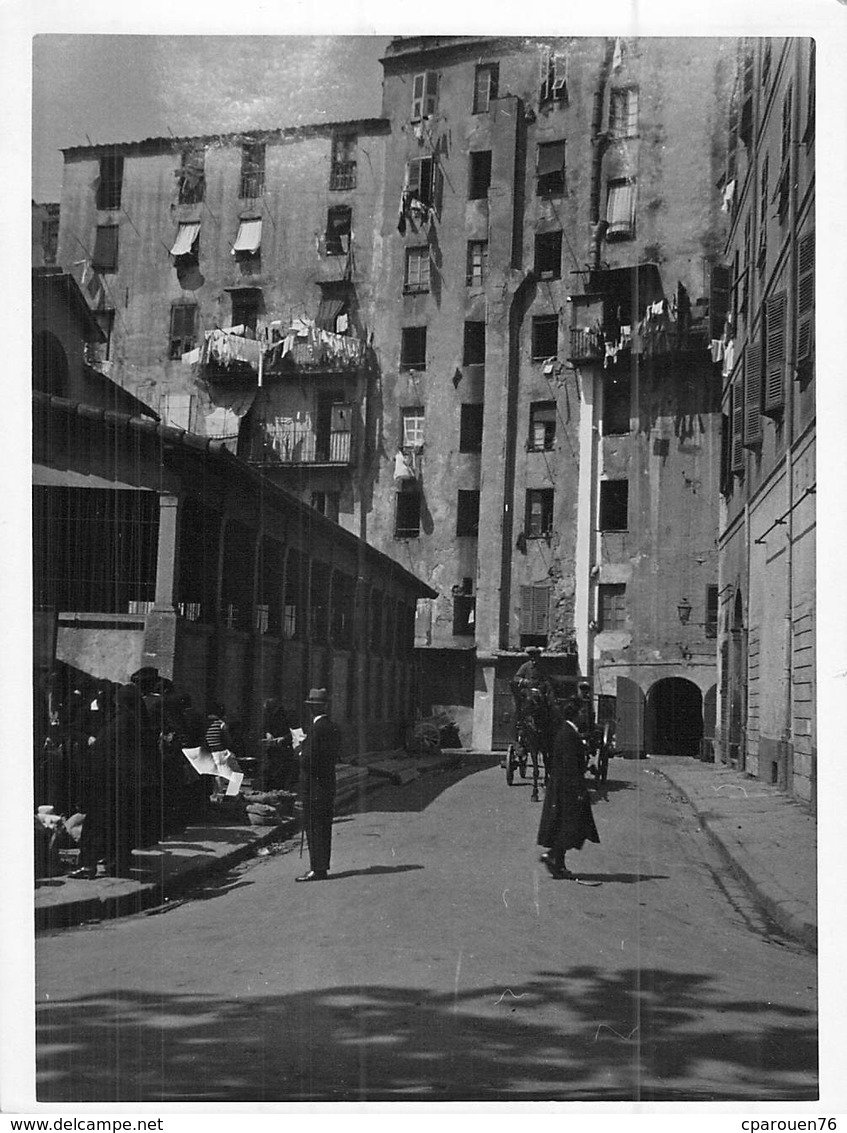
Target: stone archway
(674,717)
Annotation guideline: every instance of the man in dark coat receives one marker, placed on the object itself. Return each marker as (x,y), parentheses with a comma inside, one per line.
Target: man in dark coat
(566,818)
(319,755)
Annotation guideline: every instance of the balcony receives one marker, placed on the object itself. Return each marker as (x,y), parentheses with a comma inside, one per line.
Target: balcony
(586,345)
(291,443)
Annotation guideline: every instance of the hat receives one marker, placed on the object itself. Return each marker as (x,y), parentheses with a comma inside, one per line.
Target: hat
(584,684)
(317,696)
(533,650)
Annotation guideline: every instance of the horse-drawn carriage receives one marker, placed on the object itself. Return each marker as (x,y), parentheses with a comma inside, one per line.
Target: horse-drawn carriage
(536,719)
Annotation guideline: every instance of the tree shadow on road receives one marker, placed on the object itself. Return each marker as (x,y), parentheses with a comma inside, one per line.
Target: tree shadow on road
(636,1034)
(371,870)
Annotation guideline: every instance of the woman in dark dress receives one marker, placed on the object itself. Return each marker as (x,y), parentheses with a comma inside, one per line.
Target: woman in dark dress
(566,818)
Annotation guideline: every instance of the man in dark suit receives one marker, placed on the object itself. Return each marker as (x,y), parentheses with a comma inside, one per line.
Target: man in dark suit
(566,818)
(319,755)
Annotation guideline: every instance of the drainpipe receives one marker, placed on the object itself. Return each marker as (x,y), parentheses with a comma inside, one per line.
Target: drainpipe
(599,140)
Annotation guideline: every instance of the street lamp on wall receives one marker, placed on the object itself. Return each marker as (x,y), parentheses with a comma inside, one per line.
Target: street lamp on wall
(684,611)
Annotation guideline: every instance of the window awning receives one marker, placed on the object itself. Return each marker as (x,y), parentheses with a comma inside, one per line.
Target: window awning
(551,158)
(185,238)
(249,237)
(620,210)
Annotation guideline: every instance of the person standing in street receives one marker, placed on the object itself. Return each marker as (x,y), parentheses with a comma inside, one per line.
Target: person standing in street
(566,818)
(319,754)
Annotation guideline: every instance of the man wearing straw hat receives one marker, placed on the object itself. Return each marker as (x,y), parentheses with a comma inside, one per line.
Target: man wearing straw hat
(319,755)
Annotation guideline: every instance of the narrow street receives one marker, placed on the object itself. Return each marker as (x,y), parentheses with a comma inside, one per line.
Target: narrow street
(441,961)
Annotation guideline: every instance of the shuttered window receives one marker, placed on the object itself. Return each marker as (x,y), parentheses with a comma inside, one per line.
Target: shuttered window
(553,77)
(424,95)
(805,298)
(620,210)
(485,86)
(752,395)
(539,512)
(611,606)
(183,331)
(736,448)
(775,354)
(417,270)
(535,610)
(425,181)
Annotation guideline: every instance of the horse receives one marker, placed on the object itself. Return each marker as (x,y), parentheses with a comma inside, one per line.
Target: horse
(534,726)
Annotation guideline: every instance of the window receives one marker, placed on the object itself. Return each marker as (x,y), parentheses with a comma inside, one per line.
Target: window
(407,516)
(534,614)
(611,606)
(767,57)
(620,210)
(474,350)
(614,502)
(550,169)
(470,428)
(424,181)
(192,175)
(413,427)
(417,270)
(424,95)
(539,512)
(252,169)
(485,86)
(467,513)
(50,239)
(110,182)
(623,112)
(545,336)
(245,307)
(762,256)
(186,247)
(105,256)
(479,175)
(339,225)
(784,187)
(776,311)
(542,426)
(464,608)
(554,76)
(248,240)
(413,348)
(805,299)
(342,173)
(327,503)
(616,404)
(183,334)
(548,255)
(477,262)
(736,451)
(105,319)
(711,611)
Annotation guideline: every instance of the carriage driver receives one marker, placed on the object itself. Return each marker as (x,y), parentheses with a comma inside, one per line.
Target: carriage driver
(532,674)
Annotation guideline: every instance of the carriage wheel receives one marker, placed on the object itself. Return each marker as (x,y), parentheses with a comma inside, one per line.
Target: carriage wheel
(510,765)
(523,763)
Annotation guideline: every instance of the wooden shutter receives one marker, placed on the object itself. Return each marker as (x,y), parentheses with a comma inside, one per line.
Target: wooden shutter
(775,354)
(430,93)
(805,297)
(413,176)
(752,395)
(437,196)
(736,449)
(718,299)
(535,604)
(629,726)
(544,75)
(417,96)
(559,85)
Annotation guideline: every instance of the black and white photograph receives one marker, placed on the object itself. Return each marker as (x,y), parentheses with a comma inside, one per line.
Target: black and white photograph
(420,697)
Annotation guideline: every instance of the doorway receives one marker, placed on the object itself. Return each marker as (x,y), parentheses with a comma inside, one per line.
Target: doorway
(674,717)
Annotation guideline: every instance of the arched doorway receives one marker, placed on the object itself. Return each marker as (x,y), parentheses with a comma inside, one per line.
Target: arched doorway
(674,717)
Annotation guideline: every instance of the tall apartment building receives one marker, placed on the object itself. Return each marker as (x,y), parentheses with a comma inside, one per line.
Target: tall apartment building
(179,240)
(767,719)
(546,367)
(476,331)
